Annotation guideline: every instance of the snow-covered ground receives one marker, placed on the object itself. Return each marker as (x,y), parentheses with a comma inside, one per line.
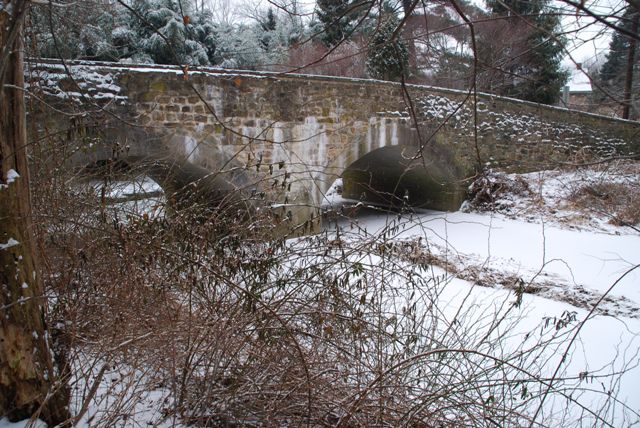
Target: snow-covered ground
(530,238)
(536,236)
(141,187)
(140,195)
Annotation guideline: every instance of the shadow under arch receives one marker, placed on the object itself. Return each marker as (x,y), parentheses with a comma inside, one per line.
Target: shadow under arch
(405,176)
(185,184)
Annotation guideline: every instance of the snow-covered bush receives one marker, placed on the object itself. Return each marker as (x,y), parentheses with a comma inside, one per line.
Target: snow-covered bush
(488,190)
(619,201)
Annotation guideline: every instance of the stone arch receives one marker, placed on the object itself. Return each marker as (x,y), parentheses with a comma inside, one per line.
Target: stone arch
(402,176)
(363,138)
(185,184)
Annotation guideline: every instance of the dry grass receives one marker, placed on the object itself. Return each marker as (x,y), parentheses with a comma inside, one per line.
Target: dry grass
(490,187)
(620,201)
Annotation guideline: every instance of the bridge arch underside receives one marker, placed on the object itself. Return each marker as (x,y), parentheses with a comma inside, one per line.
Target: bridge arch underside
(184,184)
(291,165)
(406,176)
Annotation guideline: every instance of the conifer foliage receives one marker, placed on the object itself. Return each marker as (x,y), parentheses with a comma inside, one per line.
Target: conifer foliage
(160,32)
(535,73)
(388,56)
(338,20)
(170,34)
(623,61)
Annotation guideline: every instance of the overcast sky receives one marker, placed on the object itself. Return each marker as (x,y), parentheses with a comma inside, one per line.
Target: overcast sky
(592,38)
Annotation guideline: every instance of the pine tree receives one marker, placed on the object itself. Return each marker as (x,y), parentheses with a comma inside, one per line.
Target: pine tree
(158,31)
(536,74)
(270,22)
(267,31)
(203,30)
(82,32)
(238,47)
(337,19)
(617,73)
(172,32)
(387,58)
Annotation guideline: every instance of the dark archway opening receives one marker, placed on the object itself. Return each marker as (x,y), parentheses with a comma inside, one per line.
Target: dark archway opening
(405,177)
(184,184)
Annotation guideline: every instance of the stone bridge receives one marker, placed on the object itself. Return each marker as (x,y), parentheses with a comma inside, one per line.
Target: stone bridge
(298,133)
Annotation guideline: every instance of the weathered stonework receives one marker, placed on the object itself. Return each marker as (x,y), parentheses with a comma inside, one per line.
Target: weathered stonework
(313,127)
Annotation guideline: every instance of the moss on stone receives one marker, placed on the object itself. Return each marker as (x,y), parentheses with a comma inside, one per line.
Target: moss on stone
(158,86)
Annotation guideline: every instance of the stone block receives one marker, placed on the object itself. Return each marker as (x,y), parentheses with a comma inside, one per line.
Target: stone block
(158,86)
(146,106)
(148,96)
(187,117)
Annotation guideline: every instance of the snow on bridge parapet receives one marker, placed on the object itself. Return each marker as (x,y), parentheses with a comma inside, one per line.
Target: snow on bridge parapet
(319,124)
(77,83)
(525,136)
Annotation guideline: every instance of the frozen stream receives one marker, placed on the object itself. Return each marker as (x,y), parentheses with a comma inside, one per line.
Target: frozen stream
(567,269)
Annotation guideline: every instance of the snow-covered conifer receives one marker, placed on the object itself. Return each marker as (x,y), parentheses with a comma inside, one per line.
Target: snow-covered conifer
(388,56)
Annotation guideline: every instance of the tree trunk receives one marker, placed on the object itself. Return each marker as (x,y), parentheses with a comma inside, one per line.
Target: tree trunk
(28,379)
(408,6)
(631,56)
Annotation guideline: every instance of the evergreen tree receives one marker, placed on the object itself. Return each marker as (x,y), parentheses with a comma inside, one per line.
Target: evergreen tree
(338,19)
(165,33)
(124,38)
(267,30)
(159,31)
(238,47)
(615,71)
(270,22)
(387,59)
(82,32)
(203,31)
(275,35)
(535,75)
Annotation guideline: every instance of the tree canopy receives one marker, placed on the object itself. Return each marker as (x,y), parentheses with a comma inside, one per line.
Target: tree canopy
(388,56)
(531,67)
(158,31)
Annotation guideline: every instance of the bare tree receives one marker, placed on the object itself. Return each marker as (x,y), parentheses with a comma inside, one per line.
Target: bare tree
(224,11)
(631,59)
